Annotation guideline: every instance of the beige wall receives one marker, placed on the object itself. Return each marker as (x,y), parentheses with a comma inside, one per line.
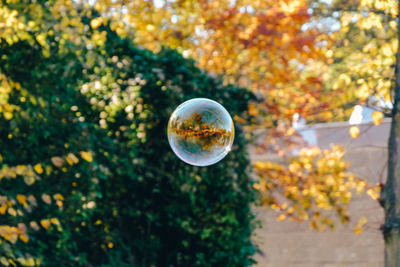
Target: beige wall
(288,243)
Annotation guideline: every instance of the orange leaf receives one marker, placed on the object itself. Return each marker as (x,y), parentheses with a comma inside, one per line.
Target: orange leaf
(3,209)
(58,197)
(24,238)
(21,199)
(358,230)
(281,217)
(290,131)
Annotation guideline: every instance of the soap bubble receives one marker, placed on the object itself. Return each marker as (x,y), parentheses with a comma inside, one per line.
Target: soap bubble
(200,132)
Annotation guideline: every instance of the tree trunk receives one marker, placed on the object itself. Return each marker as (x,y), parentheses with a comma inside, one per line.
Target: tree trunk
(390,196)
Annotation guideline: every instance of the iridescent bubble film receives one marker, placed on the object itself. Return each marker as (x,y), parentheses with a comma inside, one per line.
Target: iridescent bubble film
(200,132)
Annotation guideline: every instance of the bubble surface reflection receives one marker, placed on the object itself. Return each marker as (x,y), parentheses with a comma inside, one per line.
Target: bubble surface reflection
(201,132)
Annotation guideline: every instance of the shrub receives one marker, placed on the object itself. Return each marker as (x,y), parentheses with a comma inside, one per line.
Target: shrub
(90,124)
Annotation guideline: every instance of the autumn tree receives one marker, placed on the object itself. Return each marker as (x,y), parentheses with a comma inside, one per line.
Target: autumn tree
(361,54)
(261,45)
(367,59)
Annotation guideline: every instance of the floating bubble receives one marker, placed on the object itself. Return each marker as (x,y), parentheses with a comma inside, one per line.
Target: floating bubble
(200,132)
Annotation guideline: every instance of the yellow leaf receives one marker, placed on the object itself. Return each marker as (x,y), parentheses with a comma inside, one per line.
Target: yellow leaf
(59,203)
(41,38)
(3,209)
(110,245)
(12,262)
(69,161)
(21,199)
(239,119)
(354,131)
(38,168)
(386,50)
(358,230)
(290,131)
(8,172)
(45,223)
(55,221)
(87,156)
(377,117)
(363,91)
(12,212)
(9,233)
(95,23)
(360,186)
(57,161)
(26,261)
(256,186)
(8,115)
(373,192)
(72,159)
(30,262)
(20,169)
(24,238)
(362,221)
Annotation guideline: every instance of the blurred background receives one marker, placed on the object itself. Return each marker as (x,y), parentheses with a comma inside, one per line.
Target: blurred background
(88,178)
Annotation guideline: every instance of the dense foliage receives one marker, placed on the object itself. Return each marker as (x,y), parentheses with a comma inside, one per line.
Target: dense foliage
(87,175)
(88,178)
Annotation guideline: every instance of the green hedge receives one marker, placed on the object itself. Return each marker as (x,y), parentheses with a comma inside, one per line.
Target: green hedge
(147,208)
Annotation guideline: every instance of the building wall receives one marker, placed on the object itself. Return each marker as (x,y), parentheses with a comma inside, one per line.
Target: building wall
(287,243)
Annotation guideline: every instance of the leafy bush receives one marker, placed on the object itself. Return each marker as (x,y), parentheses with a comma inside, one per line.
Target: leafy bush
(88,172)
